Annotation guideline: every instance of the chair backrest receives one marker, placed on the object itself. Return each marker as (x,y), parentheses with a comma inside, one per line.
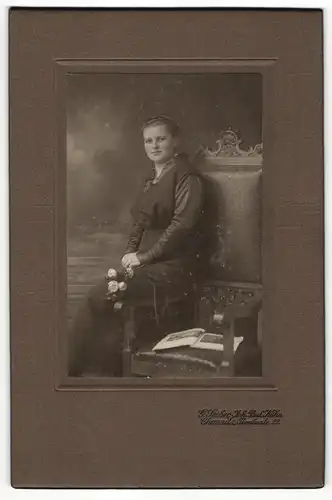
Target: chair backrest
(232,211)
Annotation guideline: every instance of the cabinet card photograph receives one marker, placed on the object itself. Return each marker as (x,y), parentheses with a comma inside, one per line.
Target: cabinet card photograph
(167,248)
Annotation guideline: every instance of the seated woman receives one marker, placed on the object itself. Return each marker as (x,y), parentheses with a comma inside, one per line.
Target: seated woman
(162,249)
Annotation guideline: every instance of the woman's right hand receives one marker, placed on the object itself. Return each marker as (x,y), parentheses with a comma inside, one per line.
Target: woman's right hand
(126,260)
(130,260)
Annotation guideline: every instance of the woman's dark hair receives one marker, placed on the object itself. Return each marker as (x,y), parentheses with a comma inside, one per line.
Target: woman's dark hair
(172,127)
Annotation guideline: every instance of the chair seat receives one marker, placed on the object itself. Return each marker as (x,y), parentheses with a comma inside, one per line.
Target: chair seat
(179,362)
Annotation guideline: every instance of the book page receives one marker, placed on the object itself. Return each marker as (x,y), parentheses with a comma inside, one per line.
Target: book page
(214,342)
(179,339)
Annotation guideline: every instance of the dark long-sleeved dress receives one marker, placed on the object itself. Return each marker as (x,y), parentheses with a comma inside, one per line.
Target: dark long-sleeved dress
(165,234)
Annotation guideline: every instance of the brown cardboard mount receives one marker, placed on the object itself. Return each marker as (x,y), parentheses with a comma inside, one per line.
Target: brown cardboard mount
(145,433)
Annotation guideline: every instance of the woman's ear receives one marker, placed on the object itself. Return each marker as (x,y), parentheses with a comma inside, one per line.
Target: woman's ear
(176,143)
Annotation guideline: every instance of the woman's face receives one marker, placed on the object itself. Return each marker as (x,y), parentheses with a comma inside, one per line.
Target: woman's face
(159,143)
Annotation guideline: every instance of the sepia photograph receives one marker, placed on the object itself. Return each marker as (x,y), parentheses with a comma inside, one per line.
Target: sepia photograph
(167,248)
(164,223)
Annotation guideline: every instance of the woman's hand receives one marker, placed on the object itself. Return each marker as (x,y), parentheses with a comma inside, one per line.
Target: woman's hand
(130,260)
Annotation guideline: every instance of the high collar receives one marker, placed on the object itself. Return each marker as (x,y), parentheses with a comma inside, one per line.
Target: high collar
(166,167)
(175,161)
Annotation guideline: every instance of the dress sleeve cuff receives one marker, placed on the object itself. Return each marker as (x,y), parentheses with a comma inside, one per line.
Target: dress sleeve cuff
(143,257)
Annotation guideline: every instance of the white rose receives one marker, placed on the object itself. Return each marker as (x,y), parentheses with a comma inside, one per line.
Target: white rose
(112,273)
(113,286)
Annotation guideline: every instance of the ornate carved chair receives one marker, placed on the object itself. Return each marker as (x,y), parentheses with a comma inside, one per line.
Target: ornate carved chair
(229,293)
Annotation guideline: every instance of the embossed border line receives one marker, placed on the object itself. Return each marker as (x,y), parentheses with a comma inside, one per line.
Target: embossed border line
(267,68)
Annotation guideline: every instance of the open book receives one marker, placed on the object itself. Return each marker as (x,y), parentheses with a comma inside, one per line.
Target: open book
(196,338)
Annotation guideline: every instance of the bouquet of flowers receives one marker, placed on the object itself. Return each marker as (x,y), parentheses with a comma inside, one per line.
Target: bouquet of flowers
(117,283)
